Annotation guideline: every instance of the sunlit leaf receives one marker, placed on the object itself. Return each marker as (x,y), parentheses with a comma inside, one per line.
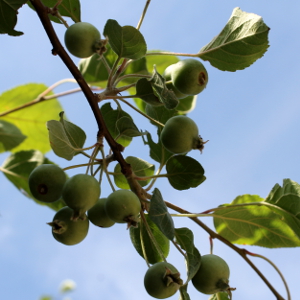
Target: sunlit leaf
(32,120)
(219,296)
(249,220)
(242,41)
(286,197)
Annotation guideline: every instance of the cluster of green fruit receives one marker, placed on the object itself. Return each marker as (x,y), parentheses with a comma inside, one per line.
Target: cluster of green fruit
(162,280)
(185,78)
(81,192)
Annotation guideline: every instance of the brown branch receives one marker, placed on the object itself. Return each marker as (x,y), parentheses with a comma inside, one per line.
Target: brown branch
(92,99)
(241,252)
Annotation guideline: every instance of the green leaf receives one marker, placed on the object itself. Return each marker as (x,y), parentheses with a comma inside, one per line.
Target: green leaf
(145,91)
(140,167)
(95,72)
(17,168)
(10,136)
(185,238)
(66,138)
(8,19)
(161,62)
(159,214)
(126,127)
(184,172)
(166,96)
(157,151)
(138,67)
(125,41)
(183,293)
(249,220)
(286,197)
(93,69)
(160,114)
(140,233)
(67,8)
(111,116)
(219,296)
(242,41)
(31,119)
(186,105)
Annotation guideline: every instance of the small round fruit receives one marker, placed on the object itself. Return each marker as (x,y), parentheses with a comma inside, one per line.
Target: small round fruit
(180,135)
(82,39)
(81,192)
(98,216)
(123,206)
(65,230)
(189,76)
(167,75)
(212,276)
(162,280)
(46,182)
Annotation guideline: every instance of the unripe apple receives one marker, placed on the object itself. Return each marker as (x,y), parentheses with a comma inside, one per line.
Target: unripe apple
(189,76)
(81,192)
(123,206)
(167,75)
(212,276)
(65,230)
(162,280)
(180,135)
(46,182)
(82,39)
(98,215)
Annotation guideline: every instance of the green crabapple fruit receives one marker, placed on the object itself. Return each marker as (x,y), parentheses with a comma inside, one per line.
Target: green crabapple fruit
(180,135)
(189,76)
(162,280)
(123,206)
(168,76)
(98,216)
(46,182)
(212,276)
(65,230)
(81,192)
(82,39)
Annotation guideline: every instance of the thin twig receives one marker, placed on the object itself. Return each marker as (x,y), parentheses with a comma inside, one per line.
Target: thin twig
(143,15)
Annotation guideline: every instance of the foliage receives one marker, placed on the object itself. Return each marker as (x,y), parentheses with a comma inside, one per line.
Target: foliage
(123,68)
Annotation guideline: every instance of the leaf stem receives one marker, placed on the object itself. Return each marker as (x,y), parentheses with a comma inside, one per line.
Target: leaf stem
(140,112)
(277,270)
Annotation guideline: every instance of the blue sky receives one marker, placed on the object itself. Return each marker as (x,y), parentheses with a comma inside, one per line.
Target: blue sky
(250,117)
